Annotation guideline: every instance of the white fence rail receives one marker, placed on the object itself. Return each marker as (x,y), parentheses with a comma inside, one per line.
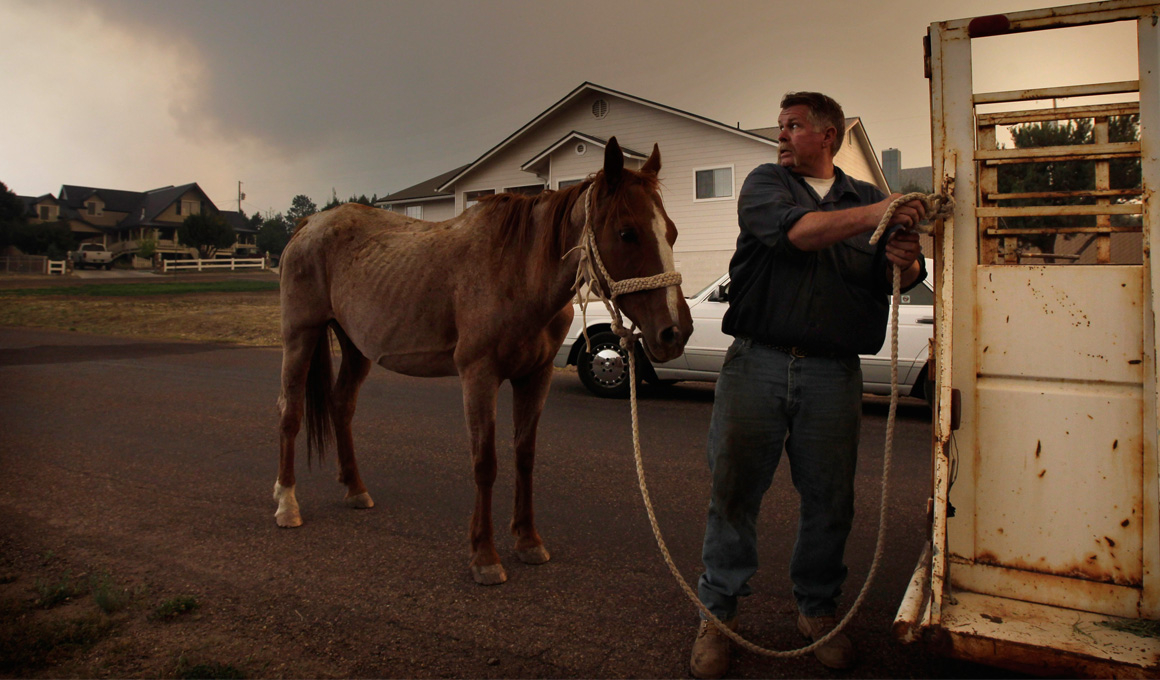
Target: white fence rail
(231,264)
(55,267)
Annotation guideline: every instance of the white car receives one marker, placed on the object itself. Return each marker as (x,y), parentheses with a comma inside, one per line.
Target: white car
(604,370)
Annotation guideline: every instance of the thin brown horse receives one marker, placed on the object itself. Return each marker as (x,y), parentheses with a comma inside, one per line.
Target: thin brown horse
(485,296)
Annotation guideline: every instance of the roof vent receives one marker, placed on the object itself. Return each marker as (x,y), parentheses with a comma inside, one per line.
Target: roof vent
(581,148)
(600,108)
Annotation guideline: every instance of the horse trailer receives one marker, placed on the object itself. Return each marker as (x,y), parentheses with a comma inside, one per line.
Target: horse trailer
(1044,517)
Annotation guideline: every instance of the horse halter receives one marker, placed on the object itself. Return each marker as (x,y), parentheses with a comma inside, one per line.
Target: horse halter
(586,269)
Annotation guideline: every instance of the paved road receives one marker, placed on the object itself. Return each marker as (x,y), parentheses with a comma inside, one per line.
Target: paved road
(158,459)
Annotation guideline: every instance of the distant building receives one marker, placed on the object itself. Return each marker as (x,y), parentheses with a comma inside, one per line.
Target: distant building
(120,219)
(905,180)
(892,166)
(703,164)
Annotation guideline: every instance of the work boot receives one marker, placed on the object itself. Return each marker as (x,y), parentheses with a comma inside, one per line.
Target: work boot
(711,650)
(838,652)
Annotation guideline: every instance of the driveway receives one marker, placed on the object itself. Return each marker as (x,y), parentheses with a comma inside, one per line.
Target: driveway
(155,462)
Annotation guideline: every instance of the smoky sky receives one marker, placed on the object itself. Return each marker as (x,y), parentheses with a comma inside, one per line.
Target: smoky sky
(369,97)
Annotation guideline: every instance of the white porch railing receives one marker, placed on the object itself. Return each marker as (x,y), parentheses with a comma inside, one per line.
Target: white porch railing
(231,264)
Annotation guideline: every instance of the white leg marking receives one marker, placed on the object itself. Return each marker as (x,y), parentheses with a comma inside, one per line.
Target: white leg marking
(668,261)
(287,514)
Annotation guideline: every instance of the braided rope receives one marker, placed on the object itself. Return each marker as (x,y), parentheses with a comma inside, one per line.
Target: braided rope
(937,205)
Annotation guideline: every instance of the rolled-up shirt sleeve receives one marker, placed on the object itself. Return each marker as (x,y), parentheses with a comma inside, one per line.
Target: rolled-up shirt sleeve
(766,208)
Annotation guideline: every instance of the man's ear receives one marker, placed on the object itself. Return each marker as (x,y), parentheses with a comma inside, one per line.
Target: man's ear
(830,138)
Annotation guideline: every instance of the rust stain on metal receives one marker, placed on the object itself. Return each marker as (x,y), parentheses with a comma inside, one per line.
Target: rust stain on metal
(1089,570)
(1111,543)
(1042,472)
(1125,523)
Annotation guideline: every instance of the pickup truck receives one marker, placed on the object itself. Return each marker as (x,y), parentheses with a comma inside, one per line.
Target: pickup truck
(92,255)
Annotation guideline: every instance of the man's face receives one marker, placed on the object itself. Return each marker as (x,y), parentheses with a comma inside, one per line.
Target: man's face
(800,147)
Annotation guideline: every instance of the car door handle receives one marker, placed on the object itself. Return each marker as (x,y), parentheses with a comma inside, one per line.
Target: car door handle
(926,320)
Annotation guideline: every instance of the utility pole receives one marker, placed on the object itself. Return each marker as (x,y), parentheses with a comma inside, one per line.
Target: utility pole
(241,197)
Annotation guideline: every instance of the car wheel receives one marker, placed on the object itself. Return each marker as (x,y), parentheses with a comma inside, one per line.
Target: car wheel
(604,370)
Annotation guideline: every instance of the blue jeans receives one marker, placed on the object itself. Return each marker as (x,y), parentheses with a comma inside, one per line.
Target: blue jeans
(812,406)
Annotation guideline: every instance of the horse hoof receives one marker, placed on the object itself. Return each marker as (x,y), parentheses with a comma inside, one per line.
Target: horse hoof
(535,555)
(489,574)
(288,519)
(360,501)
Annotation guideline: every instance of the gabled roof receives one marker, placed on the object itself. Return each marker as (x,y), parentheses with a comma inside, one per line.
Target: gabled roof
(577,136)
(426,190)
(238,221)
(115,200)
(592,87)
(30,203)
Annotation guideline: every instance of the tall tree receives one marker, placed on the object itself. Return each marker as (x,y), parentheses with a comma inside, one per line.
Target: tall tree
(11,215)
(1063,175)
(208,233)
(300,207)
(273,235)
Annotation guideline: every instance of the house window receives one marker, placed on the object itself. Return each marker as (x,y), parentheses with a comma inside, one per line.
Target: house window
(565,183)
(44,212)
(92,206)
(714,183)
(526,190)
(415,211)
(470,198)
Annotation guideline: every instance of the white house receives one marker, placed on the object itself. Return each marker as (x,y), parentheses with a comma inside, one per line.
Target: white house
(703,164)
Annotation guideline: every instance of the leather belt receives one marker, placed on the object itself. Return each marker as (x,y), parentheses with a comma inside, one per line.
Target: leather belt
(802,352)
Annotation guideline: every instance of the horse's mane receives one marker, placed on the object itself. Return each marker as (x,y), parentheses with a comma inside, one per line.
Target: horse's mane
(515,216)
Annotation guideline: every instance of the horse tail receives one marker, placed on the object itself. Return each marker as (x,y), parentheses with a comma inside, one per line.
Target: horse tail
(319,399)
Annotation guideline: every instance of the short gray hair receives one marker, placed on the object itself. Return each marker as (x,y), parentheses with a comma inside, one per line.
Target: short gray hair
(824,112)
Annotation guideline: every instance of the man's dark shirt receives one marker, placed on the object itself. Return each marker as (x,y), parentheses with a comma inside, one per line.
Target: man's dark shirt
(835,300)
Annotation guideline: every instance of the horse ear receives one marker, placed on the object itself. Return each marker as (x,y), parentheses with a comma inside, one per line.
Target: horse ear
(653,165)
(613,162)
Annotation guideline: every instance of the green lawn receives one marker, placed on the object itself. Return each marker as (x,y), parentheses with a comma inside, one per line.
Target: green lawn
(136,289)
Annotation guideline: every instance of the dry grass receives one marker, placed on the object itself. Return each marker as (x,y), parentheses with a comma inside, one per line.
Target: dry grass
(239,318)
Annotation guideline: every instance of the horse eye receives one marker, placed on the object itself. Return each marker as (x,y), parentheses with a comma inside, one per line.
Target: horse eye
(628,236)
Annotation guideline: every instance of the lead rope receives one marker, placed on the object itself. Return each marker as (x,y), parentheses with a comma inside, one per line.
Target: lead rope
(937,206)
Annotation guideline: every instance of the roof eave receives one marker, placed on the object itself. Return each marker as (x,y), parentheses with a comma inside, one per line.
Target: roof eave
(605,90)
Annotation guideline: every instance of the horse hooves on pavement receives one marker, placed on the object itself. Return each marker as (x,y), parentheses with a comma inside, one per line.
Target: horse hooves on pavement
(288,519)
(489,574)
(360,501)
(534,555)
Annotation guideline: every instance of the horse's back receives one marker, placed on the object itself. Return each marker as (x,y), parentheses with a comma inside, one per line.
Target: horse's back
(385,278)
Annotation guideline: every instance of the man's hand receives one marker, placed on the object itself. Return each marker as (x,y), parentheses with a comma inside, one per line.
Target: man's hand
(908,215)
(903,250)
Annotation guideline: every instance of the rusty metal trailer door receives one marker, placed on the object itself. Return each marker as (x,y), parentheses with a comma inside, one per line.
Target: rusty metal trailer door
(1045,513)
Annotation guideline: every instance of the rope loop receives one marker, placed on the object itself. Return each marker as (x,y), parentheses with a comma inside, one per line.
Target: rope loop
(938,206)
(586,270)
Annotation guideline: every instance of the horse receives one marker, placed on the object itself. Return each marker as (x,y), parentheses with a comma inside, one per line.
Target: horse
(485,296)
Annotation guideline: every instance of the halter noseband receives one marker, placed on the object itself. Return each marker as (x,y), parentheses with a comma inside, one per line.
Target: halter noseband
(586,269)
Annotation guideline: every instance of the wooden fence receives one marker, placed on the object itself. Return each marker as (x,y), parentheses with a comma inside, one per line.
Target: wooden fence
(231,264)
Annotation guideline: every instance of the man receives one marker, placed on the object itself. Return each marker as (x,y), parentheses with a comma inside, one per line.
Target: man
(808,294)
